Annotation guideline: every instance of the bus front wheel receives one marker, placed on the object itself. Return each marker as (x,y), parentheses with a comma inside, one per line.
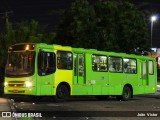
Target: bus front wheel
(126,94)
(62,93)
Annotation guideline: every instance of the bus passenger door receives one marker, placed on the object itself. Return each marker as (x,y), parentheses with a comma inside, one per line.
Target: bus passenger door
(143,73)
(79,70)
(46,68)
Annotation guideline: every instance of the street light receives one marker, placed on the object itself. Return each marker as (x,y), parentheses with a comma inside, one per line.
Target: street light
(153,19)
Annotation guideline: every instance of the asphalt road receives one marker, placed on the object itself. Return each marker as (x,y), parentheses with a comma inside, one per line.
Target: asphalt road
(141,107)
(88,108)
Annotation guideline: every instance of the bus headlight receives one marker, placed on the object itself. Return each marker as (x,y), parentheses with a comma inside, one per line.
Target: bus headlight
(28,84)
(5,84)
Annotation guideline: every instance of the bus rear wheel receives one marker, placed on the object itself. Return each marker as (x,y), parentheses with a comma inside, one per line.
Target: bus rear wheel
(126,94)
(62,93)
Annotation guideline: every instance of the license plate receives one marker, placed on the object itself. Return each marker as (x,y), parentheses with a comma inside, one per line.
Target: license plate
(15,91)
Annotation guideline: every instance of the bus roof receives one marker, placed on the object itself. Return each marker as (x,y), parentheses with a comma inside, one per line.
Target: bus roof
(118,54)
(78,50)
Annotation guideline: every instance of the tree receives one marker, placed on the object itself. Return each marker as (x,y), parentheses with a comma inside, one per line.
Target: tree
(106,22)
(77,25)
(133,28)
(108,25)
(122,26)
(23,32)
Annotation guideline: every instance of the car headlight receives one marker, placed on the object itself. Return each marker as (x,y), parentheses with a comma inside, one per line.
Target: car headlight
(28,84)
(5,84)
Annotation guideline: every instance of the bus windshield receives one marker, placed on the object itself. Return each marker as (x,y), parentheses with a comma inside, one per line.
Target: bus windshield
(20,64)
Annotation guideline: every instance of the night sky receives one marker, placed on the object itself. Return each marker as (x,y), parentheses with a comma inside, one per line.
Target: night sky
(47,12)
(44,11)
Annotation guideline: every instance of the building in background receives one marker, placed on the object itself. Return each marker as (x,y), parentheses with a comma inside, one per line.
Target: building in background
(156,53)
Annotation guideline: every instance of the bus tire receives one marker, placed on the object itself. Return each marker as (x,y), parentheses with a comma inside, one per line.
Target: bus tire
(126,94)
(62,93)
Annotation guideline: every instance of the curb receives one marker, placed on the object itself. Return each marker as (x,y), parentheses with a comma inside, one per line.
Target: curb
(12,107)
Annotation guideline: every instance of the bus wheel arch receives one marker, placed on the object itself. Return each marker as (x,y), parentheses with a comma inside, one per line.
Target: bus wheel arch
(127,93)
(62,92)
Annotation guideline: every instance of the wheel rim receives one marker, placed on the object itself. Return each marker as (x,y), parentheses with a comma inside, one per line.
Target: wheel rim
(61,94)
(126,93)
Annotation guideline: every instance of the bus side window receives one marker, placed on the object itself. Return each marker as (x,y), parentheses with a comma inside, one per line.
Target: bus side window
(115,64)
(81,66)
(129,65)
(64,60)
(46,63)
(151,68)
(99,63)
(75,65)
(143,70)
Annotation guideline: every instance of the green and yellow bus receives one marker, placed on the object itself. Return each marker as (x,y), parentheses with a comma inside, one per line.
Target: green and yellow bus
(62,71)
